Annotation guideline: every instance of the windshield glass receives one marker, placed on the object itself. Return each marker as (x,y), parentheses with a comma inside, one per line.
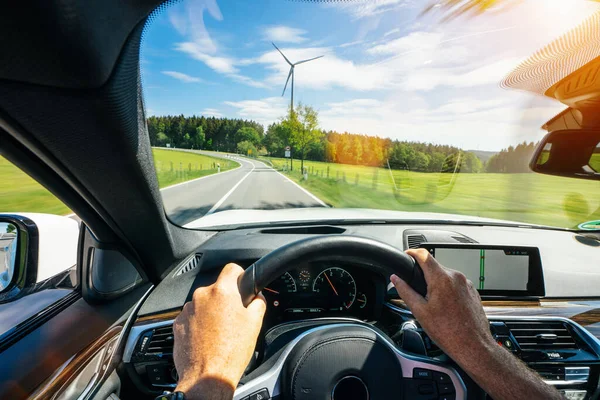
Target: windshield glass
(399,106)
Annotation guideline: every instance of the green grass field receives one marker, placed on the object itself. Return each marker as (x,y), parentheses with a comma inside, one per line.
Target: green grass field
(174,166)
(532,198)
(20,193)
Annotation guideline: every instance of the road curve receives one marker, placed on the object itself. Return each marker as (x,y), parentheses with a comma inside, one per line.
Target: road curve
(252,186)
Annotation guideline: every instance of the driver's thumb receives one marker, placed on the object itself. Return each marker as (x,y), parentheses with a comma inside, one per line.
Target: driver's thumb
(412,299)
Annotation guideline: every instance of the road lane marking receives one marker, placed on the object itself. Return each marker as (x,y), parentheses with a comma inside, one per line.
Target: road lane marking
(218,203)
(298,186)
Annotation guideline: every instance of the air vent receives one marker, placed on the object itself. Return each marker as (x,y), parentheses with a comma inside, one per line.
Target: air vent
(161,341)
(415,241)
(542,335)
(305,230)
(549,372)
(463,239)
(191,265)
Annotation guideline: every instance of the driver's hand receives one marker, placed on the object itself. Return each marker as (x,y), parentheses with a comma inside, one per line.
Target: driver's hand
(215,337)
(451,314)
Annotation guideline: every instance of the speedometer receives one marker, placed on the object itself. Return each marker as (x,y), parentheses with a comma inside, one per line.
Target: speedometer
(284,284)
(338,285)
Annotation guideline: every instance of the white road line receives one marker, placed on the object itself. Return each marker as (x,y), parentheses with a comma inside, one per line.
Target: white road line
(298,186)
(218,203)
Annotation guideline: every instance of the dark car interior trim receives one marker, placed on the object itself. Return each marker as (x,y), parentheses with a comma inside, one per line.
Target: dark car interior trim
(52,386)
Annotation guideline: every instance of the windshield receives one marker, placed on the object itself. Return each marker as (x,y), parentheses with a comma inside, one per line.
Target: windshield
(275,110)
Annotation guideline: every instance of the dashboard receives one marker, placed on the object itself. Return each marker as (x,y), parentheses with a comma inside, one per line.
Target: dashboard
(324,289)
(556,337)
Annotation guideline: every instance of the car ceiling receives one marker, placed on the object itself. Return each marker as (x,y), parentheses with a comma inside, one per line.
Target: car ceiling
(71,115)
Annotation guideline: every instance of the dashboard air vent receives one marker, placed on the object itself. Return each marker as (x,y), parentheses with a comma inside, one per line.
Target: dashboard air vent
(191,265)
(161,341)
(542,335)
(463,239)
(305,230)
(415,241)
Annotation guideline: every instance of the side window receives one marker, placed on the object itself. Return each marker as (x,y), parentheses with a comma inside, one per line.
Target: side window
(38,248)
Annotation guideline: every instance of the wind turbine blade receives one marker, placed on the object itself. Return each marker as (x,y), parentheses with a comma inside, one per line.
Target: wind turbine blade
(286,82)
(310,59)
(283,55)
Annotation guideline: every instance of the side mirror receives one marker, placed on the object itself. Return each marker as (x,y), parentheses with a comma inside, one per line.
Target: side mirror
(18,255)
(573,153)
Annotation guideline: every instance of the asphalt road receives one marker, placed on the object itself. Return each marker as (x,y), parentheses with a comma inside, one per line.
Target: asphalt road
(254,185)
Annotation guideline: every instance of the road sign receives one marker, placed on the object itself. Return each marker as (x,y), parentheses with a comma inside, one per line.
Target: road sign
(288,153)
(288,148)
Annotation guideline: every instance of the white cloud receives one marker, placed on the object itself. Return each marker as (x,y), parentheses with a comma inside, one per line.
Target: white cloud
(323,73)
(418,40)
(369,8)
(264,111)
(391,32)
(350,44)
(284,34)
(222,65)
(211,112)
(182,77)
(188,19)
(487,124)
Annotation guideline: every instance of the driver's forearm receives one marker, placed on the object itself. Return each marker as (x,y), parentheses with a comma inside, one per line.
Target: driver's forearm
(504,376)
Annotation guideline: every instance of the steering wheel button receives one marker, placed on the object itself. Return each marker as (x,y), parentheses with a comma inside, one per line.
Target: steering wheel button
(427,388)
(440,377)
(419,373)
(262,394)
(447,397)
(445,388)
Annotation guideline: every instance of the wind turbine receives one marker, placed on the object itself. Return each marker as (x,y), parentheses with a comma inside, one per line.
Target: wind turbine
(291,74)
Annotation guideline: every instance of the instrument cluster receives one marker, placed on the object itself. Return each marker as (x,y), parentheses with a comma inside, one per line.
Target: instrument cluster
(324,289)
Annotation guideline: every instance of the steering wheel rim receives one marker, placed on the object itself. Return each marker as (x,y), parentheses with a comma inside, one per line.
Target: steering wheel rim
(381,257)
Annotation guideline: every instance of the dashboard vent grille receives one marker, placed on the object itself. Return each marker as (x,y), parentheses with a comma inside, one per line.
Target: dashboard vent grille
(542,335)
(161,341)
(191,265)
(463,239)
(415,241)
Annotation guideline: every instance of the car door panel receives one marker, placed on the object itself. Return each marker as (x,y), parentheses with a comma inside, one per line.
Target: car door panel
(64,342)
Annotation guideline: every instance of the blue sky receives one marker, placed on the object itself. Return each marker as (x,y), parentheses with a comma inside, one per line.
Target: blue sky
(386,70)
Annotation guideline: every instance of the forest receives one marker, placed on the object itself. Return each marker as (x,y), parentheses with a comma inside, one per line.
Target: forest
(310,143)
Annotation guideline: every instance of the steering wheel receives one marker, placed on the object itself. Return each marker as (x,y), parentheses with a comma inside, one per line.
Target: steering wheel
(347,360)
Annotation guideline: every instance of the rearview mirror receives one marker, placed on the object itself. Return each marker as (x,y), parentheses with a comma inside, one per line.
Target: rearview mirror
(573,153)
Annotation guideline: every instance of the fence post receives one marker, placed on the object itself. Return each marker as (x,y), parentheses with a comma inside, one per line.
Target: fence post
(337,176)
(375,176)
(190,167)
(328,172)
(356,179)
(344,176)
(200,167)
(171,166)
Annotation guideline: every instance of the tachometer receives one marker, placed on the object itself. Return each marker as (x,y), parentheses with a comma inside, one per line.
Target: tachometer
(284,284)
(338,285)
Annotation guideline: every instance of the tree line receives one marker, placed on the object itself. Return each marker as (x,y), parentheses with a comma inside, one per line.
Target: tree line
(300,130)
(514,159)
(198,132)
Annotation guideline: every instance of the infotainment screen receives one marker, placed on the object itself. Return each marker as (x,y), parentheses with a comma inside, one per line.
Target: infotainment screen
(494,270)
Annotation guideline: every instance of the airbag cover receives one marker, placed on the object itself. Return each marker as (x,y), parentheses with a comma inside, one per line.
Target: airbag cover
(322,359)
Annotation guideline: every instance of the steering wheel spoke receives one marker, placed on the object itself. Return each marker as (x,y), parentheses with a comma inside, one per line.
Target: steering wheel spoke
(337,359)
